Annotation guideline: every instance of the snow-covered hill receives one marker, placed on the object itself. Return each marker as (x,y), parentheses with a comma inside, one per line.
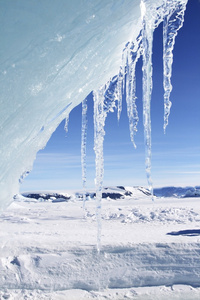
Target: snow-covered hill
(149,249)
(119,192)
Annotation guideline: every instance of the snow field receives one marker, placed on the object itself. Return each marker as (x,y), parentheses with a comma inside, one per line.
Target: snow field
(48,249)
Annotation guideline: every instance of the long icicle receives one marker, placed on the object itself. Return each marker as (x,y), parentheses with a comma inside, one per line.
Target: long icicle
(120,83)
(171,24)
(104,102)
(147,40)
(66,123)
(99,122)
(133,55)
(83,147)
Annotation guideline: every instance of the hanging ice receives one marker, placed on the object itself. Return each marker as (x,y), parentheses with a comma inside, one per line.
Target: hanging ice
(147,41)
(104,101)
(120,84)
(83,147)
(66,123)
(172,12)
(133,53)
(43,68)
(99,123)
(173,21)
(48,69)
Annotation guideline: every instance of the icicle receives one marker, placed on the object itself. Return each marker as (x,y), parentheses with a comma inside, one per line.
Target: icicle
(147,40)
(120,83)
(99,122)
(66,123)
(83,147)
(133,55)
(104,101)
(119,94)
(173,21)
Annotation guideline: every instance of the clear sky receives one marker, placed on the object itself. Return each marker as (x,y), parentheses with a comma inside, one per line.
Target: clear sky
(175,155)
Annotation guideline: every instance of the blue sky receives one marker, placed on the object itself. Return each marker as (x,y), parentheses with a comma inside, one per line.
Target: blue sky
(175,155)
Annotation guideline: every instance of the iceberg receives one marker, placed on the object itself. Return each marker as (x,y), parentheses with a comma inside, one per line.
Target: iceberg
(54,53)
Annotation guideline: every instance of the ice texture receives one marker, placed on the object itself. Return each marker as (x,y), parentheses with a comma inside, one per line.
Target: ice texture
(66,123)
(133,53)
(147,42)
(173,21)
(104,102)
(99,123)
(53,54)
(83,146)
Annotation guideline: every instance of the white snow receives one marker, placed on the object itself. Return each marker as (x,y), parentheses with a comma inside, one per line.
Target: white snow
(149,250)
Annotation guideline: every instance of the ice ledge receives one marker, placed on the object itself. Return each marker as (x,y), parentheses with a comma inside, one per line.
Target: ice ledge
(48,69)
(52,56)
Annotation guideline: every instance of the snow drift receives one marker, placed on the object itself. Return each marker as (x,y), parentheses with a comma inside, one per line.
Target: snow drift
(52,55)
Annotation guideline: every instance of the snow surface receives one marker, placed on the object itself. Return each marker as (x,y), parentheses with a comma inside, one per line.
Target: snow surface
(149,250)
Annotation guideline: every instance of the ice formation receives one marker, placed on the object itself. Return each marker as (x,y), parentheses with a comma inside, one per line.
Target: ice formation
(48,69)
(173,21)
(104,101)
(172,12)
(99,123)
(53,54)
(83,147)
